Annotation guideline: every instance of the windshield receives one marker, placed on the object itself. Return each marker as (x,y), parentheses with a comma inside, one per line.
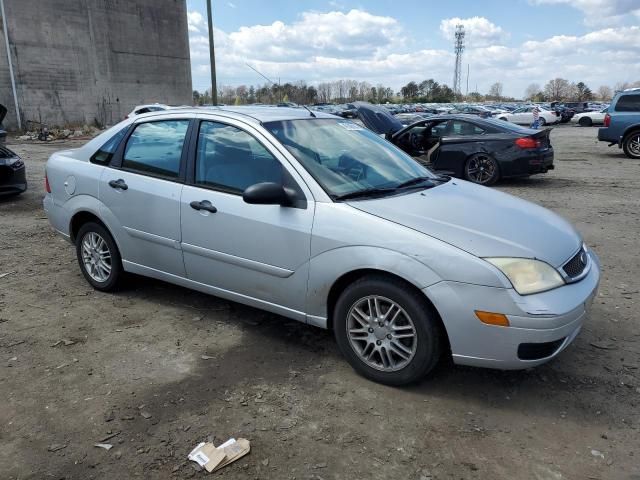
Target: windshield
(346,158)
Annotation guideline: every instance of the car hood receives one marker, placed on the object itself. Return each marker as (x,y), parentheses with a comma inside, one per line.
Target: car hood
(377,119)
(481,221)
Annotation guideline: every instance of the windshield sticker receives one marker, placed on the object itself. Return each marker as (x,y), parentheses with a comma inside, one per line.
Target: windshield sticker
(350,126)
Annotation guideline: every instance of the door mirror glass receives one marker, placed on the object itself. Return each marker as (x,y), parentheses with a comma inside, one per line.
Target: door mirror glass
(266,193)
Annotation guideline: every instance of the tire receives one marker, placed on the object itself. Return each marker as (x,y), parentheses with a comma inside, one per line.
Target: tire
(482,169)
(542,122)
(585,122)
(92,240)
(389,363)
(631,145)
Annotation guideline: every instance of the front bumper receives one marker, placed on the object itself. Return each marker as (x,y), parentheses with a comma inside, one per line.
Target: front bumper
(12,181)
(541,325)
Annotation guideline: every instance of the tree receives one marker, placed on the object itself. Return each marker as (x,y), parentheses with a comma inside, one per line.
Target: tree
(582,92)
(557,89)
(475,97)
(409,91)
(605,93)
(532,92)
(495,91)
(196,97)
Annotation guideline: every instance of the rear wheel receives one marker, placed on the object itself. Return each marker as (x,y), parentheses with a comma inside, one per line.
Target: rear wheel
(585,122)
(386,331)
(482,169)
(631,145)
(542,122)
(98,257)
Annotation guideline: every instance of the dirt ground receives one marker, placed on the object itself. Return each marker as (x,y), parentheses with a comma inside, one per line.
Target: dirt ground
(155,369)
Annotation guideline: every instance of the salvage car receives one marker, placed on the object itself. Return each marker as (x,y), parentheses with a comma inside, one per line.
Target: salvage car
(354,236)
(466,146)
(13,178)
(524,116)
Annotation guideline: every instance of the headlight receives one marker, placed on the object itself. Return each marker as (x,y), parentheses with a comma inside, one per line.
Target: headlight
(528,276)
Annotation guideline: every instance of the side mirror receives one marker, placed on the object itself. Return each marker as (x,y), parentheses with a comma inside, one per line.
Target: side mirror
(267,193)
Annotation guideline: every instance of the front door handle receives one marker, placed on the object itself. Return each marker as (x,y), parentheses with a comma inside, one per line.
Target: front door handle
(120,183)
(203,205)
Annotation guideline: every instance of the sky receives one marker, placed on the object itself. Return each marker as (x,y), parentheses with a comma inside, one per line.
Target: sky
(515,42)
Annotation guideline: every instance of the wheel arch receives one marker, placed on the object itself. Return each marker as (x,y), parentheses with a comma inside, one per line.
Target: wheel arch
(630,130)
(352,276)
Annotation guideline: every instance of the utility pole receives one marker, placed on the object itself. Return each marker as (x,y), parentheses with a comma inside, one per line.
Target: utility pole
(13,81)
(212,57)
(467,94)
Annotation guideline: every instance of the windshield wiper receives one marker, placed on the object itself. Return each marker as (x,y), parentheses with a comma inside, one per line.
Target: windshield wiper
(364,193)
(415,181)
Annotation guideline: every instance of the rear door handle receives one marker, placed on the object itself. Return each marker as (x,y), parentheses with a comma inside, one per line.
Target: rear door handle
(203,205)
(120,183)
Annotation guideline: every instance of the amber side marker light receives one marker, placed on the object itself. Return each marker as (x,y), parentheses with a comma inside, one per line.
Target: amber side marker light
(493,318)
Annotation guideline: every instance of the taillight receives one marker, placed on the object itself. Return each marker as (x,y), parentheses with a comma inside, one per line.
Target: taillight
(528,142)
(607,120)
(47,187)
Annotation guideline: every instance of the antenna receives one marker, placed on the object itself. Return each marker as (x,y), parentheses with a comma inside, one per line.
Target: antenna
(458,49)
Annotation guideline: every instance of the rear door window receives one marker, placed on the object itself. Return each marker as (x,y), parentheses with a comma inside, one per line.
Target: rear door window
(460,128)
(628,103)
(155,148)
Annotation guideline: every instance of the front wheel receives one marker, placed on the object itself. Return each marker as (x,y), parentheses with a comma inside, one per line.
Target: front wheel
(98,257)
(386,331)
(631,145)
(482,169)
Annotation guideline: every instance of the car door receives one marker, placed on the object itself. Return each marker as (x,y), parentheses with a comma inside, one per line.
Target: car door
(258,252)
(462,138)
(140,191)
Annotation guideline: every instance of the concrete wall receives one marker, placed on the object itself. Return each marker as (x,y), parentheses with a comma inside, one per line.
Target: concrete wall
(80,61)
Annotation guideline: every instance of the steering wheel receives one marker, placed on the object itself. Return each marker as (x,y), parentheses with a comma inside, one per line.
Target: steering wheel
(415,141)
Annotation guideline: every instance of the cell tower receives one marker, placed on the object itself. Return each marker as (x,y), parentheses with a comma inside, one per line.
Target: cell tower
(458,48)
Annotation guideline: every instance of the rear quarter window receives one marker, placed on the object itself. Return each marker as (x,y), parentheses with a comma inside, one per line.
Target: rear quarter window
(105,154)
(628,103)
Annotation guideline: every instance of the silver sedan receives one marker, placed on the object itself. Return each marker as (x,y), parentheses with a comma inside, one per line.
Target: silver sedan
(315,218)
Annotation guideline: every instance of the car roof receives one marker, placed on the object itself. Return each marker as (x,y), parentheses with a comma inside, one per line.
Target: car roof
(255,113)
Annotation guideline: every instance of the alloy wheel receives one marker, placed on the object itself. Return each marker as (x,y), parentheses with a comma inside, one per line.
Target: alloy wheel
(634,145)
(481,169)
(381,333)
(96,257)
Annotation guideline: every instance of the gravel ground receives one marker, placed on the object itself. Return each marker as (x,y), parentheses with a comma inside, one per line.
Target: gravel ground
(156,369)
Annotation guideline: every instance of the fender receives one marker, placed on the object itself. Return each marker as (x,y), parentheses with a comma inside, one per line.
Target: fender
(330,265)
(88,203)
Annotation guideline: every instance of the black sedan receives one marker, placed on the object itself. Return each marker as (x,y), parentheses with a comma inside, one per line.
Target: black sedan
(466,146)
(13,178)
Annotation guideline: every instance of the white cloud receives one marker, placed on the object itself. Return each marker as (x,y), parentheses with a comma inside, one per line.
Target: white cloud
(195,22)
(231,5)
(478,30)
(599,12)
(356,44)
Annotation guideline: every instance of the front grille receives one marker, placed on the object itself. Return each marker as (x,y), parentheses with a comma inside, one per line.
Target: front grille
(574,267)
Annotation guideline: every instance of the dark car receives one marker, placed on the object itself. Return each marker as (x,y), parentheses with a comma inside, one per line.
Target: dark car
(466,146)
(13,179)
(410,118)
(3,132)
(622,123)
(477,110)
